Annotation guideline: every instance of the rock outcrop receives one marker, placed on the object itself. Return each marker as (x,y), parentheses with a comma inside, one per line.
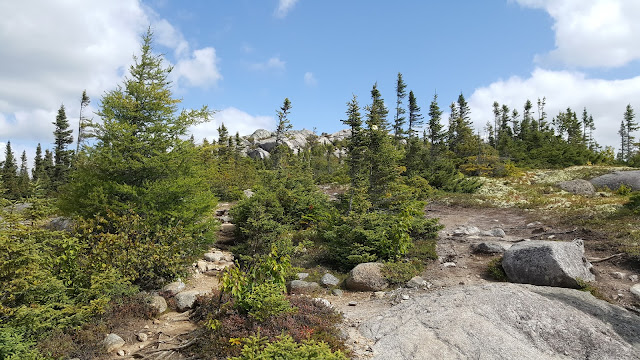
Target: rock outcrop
(615,179)
(261,143)
(504,321)
(548,263)
(366,277)
(578,187)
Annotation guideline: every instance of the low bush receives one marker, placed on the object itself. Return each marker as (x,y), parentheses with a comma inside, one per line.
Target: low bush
(496,271)
(285,348)
(398,273)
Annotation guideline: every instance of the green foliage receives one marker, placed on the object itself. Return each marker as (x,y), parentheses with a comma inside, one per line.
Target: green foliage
(14,347)
(623,190)
(62,155)
(634,202)
(285,348)
(399,272)
(496,271)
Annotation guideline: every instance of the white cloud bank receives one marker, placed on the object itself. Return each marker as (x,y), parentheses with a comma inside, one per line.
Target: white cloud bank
(284,6)
(605,99)
(234,120)
(52,50)
(274,63)
(592,33)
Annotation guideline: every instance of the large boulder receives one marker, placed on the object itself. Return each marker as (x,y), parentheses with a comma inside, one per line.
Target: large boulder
(366,277)
(112,342)
(548,263)
(258,154)
(504,321)
(615,179)
(578,187)
(186,299)
(261,134)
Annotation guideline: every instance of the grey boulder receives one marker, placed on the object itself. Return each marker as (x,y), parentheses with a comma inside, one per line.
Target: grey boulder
(174,287)
(489,248)
(112,342)
(504,321)
(548,263)
(303,287)
(186,299)
(635,290)
(615,179)
(578,187)
(158,303)
(329,280)
(366,277)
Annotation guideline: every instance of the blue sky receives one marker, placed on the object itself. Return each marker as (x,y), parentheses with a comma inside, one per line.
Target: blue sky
(244,57)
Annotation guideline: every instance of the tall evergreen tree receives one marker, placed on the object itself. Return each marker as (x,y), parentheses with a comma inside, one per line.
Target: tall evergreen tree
(435,133)
(83,122)
(23,176)
(382,158)
(37,172)
(399,119)
(525,125)
(140,162)
(10,174)
(622,154)
(62,155)
(223,141)
(284,125)
(48,166)
(356,150)
(631,125)
(415,118)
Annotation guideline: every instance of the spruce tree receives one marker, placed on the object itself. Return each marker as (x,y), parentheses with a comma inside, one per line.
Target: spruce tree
(415,118)
(223,141)
(284,125)
(399,119)
(622,154)
(23,176)
(48,166)
(630,126)
(10,174)
(435,133)
(83,122)
(62,155)
(37,172)
(356,152)
(140,163)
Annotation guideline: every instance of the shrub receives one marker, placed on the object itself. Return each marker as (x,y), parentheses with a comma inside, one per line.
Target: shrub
(496,271)
(14,347)
(285,348)
(623,190)
(398,273)
(634,202)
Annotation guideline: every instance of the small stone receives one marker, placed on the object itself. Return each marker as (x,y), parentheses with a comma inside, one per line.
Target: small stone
(378,294)
(618,275)
(214,256)
(248,193)
(352,303)
(112,342)
(336,292)
(635,290)
(329,280)
(534,225)
(146,326)
(141,346)
(405,297)
(416,282)
(121,353)
(551,237)
(174,287)
(302,287)
(633,278)
(142,337)
(302,276)
(324,302)
(202,265)
(158,303)
(449,265)
(185,300)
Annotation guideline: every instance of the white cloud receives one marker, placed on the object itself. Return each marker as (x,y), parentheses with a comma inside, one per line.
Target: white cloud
(284,6)
(605,99)
(200,70)
(309,79)
(592,33)
(234,120)
(273,63)
(47,62)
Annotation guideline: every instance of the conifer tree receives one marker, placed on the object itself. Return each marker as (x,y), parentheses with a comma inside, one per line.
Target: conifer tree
(415,118)
(436,134)
(83,122)
(23,176)
(224,147)
(10,174)
(62,155)
(140,162)
(525,125)
(630,126)
(356,150)
(399,119)
(284,125)
(48,165)
(622,154)
(381,157)
(37,173)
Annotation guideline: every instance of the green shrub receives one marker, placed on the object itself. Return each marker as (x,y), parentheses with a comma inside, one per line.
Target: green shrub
(14,347)
(398,273)
(634,202)
(496,271)
(285,348)
(623,190)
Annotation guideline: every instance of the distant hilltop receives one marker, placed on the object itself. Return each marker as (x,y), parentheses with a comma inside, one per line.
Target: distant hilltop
(259,144)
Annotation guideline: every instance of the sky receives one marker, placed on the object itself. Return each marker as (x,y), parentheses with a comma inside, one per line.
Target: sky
(243,57)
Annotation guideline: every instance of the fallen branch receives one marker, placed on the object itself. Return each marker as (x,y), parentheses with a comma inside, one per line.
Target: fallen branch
(596,260)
